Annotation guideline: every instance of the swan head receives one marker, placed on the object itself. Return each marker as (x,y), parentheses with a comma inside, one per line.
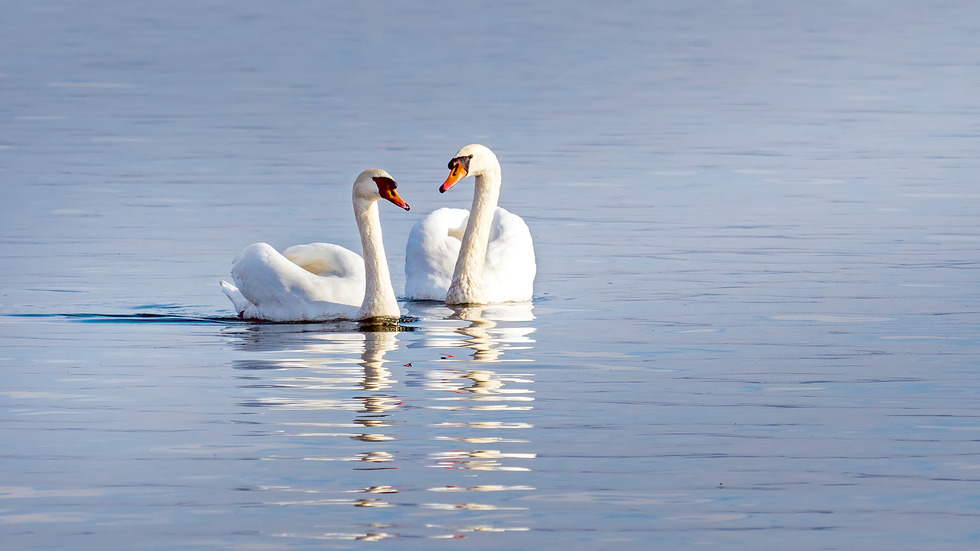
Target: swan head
(374,184)
(473,159)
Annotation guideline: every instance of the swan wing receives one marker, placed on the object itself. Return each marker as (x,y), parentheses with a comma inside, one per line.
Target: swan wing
(431,252)
(511,267)
(434,244)
(326,259)
(277,289)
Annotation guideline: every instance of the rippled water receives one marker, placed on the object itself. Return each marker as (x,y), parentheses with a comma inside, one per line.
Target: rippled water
(756,316)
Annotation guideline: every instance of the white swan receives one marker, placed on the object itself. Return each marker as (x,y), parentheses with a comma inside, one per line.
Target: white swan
(482,256)
(320,281)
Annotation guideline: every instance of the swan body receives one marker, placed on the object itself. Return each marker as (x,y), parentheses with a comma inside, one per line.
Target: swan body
(321,281)
(484,255)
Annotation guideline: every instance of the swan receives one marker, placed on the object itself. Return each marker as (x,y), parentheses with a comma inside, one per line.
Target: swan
(484,255)
(321,281)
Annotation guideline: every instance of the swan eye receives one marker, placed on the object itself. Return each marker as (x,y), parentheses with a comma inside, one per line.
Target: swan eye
(465,161)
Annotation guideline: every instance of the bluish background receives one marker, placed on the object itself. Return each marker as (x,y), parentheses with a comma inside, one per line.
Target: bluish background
(756,309)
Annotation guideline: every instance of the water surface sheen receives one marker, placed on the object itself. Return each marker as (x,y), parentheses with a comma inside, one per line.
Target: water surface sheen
(755,322)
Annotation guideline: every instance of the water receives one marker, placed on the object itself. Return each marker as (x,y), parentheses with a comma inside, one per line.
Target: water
(756,310)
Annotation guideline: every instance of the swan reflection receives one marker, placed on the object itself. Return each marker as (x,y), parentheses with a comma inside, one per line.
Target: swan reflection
(489,331)
(323,371)
(480,460)
(490,384)
(379,420)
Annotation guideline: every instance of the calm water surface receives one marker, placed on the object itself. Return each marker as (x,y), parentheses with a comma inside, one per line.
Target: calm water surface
(757,307)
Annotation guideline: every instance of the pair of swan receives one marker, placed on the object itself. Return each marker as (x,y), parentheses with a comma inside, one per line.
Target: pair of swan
(480,256)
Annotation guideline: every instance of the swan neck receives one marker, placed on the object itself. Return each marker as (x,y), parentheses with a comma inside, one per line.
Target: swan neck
(379,296)
(467,283)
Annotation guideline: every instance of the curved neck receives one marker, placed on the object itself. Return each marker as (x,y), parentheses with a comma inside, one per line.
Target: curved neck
(379,296)
(467,284)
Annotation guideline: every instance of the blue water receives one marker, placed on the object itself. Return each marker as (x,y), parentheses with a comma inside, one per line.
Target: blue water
(756,314)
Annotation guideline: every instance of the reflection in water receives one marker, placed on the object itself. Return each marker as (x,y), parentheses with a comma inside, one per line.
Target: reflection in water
(327,395)
(479,460)
(485,337)
(489,331)
(495,335)
(377,404)
(326,365)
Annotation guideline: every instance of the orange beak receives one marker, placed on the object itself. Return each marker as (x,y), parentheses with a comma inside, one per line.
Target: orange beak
(386,188)
(457,174)
(392,195)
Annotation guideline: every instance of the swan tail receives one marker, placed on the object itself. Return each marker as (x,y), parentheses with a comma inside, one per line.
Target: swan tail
(235,296)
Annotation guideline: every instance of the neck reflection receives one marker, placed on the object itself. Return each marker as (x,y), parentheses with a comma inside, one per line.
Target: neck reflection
(377,405)
(455,438)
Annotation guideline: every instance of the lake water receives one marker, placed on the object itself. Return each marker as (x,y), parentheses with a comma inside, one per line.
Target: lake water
(756,321)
